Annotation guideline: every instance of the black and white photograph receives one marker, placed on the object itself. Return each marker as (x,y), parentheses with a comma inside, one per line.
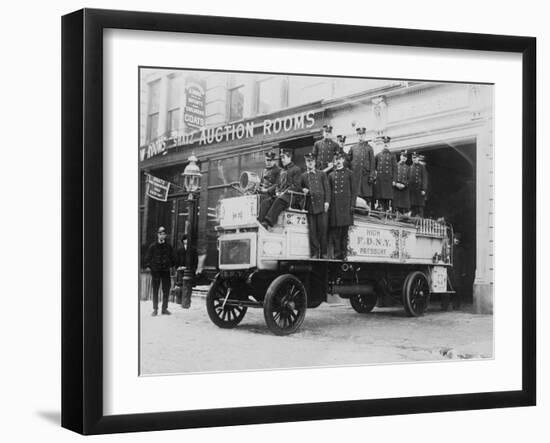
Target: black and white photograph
(306,221)
(275,221)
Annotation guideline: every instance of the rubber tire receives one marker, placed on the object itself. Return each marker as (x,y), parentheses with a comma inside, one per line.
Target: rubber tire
(270,298)
(212,297)
(407,288)
(363,303)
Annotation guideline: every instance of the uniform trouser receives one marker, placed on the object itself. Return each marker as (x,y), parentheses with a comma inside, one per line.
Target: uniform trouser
(338,237)
(265,204)
(270,210)
(384,203)
(417,210)
(161,277)
(317,234)
(367,199)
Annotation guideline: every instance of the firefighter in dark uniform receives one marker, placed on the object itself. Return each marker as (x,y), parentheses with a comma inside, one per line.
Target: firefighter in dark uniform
(270,176)
(342,193)
(386,174)
(341,140)
(315,186)
(417,187)
(289,181)
(401,200)
(361,158)
(325,149)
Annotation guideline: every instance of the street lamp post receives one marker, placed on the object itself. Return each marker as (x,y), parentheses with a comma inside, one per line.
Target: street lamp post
(191,182)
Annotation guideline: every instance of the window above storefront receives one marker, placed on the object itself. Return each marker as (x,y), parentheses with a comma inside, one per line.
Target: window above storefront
(272,94)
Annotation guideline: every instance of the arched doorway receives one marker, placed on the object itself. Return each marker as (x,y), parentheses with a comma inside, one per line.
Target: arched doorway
(452,194)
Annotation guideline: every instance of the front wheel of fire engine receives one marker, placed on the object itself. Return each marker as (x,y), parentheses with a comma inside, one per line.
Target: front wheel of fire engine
(285,305)
(416,294)
(218,305)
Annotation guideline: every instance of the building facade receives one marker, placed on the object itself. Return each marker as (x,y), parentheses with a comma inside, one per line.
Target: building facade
(228,121)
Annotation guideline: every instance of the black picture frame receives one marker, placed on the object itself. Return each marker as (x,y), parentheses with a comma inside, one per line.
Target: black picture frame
(82,215)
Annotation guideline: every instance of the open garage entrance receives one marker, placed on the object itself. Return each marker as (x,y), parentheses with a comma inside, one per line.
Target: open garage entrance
(452,194)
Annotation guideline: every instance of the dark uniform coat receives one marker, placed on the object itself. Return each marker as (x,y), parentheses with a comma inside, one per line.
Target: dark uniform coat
(270,179)
(160,257)
(418,182)
(289,181)
(401,196)
(319,191)
(342,194)
(386,173)
(361,160)
(324,151)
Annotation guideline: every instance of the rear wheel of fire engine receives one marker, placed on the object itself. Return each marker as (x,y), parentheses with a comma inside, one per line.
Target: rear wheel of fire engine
(285,305)
(221,313)
(363,303)
(416,294)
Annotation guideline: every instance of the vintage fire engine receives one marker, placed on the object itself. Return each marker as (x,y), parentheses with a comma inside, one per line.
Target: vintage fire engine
(271,269)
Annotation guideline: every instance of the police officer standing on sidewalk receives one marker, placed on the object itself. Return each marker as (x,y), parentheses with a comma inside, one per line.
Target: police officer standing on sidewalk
(160,257)
(386,174)
(342,195)
(316,188)
(325,149)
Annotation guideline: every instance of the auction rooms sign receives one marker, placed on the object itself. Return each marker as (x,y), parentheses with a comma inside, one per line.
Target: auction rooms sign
(225,133)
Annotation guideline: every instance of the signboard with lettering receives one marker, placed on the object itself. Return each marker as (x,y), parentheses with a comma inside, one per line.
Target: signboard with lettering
(292,218)
(203,136)
(157,188)
(438,279)
(194,113)
(374,242)
(238,210)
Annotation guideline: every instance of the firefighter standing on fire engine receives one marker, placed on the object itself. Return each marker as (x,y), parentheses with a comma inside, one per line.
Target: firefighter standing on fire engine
(325,149)
(401,200)
(342,194)
(418,186)
(386,173)
(361,159)
(341,140)
(315,185)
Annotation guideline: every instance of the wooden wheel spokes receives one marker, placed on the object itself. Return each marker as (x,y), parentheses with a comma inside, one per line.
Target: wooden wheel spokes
(222,314)
(227,312)
(285,304)
(416,293)
(418,299)
(365,302)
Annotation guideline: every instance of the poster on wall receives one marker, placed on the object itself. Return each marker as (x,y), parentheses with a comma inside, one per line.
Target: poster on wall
(195,95)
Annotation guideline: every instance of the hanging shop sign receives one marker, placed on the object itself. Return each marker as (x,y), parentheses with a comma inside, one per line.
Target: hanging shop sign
(157,188)
(232,132)
(195,96)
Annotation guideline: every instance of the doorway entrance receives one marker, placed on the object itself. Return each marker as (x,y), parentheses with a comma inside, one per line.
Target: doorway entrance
(452,194)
